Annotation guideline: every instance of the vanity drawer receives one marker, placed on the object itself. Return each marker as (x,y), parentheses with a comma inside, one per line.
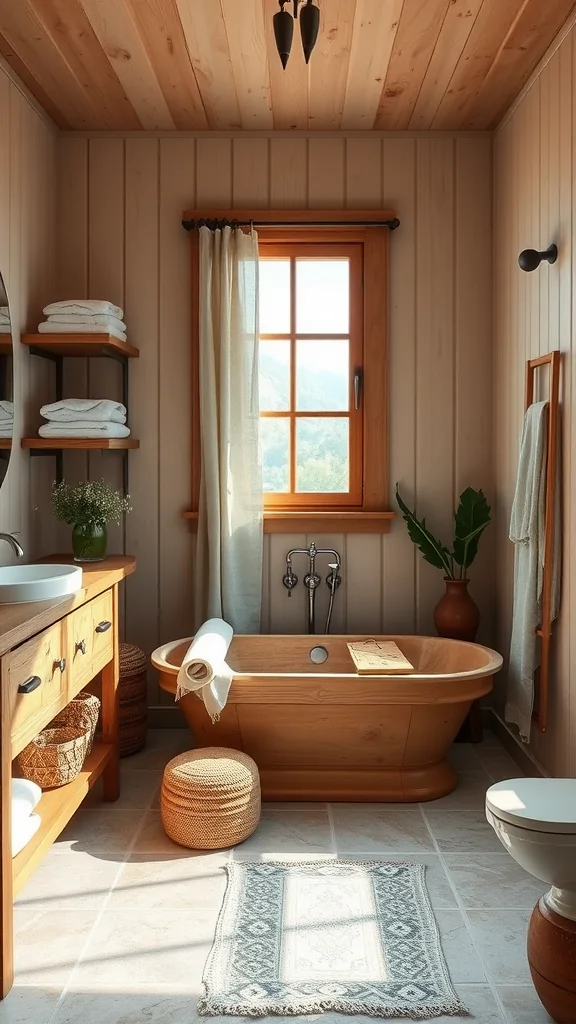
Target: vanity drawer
(90,639)
(102,613)
(36,677)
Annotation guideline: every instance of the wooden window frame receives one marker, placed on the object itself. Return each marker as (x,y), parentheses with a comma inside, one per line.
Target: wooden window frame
(372,513)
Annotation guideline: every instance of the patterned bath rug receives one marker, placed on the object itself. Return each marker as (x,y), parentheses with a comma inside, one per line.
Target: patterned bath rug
(355,937)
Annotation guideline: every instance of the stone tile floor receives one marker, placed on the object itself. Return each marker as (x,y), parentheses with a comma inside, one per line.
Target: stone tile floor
(116,924)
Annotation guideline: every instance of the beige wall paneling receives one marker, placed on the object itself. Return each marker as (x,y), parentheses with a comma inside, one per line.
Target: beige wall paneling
(141,310)
(214,173)
(534,160)
(326,171)
(363,585)
(106,255)
(473,364)
(288,173)
(73,280)
(251,176)
(435,379)
(398,552)
(176,542)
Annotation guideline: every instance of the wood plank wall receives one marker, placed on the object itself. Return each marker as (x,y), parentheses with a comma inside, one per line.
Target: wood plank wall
(535,313)
(120,238)
(27,264)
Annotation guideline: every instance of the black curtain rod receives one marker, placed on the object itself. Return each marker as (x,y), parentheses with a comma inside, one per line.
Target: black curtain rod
(189,225)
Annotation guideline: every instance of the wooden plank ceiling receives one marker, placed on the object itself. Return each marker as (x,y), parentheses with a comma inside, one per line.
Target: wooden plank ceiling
(212,64)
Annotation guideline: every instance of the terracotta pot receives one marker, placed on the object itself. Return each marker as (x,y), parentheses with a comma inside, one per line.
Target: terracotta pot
(456,616)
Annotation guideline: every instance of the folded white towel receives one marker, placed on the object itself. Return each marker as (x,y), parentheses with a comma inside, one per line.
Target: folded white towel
(26,795)
(83,428)
(48,327)
(74,409)
(5,329)
(22,831)
(204,667)
(6,428)
(4,318)
(84,306)
(6,410)
(84,318)
(5,311)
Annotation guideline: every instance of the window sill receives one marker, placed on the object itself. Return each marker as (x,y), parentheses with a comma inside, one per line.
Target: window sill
(319,522)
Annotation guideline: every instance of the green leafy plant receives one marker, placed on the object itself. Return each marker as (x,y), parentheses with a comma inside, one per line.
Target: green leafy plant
(470,520)
(89,503)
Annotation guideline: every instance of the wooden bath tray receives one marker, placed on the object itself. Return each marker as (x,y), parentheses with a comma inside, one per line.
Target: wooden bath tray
(379,658)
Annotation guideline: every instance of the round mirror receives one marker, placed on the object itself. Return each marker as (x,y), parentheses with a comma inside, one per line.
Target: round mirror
(6,384)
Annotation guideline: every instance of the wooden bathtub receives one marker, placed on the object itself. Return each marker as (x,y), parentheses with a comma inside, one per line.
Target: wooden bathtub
(322,732)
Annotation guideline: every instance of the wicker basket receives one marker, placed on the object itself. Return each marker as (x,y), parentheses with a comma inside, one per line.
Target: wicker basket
(54,757)
(133,698)
(81,713)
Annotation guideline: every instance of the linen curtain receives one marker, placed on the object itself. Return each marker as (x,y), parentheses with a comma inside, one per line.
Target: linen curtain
(230,517)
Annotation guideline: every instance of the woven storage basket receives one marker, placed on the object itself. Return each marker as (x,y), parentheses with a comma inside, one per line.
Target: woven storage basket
(133,697)
(210,798)
(81,713)
(54,757)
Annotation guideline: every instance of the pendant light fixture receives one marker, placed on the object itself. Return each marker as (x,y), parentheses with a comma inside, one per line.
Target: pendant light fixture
(284,28)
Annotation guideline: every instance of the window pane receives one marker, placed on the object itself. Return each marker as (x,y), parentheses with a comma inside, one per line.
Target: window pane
(274,376)
(322,296)
(322,454)
(322,376)
(275,448)
(274,290)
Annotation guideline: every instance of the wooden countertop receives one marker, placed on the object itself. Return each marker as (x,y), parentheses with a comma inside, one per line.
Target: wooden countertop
(19,622)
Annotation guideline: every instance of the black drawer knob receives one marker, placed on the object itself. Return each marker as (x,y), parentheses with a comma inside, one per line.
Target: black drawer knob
(81,646)
(103,626)
(61,664)
(31,684)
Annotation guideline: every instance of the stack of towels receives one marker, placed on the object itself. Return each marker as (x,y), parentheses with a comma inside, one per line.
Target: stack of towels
(84,417)
(5,327)
(83,316)
(6,418)
(26,796)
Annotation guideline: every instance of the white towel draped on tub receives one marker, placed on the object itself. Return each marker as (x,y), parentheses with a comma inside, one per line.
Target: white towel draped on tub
(527,529)
(204,669)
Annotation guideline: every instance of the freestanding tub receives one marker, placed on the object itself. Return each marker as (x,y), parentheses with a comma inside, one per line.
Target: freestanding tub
(322,732)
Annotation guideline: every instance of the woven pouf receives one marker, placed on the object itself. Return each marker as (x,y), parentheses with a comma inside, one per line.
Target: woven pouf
(133,698)
(210,798)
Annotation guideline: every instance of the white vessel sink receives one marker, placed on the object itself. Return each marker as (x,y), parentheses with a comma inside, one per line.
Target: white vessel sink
(22,583)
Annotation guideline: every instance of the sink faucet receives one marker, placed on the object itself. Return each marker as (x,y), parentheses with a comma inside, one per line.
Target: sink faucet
(14,544)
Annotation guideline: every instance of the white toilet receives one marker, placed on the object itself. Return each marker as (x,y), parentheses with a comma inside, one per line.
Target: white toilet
(535,820)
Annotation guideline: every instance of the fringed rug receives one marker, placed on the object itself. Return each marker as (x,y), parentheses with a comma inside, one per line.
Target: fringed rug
(356,937)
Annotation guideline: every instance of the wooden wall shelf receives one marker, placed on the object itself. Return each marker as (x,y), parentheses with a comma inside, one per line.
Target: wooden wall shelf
(82,443)
(90,345)
(5,444)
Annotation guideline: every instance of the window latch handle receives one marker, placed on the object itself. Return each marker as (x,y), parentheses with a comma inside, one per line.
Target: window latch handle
(357,388)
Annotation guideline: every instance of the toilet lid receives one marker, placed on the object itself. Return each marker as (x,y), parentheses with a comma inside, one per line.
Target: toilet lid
(545,805)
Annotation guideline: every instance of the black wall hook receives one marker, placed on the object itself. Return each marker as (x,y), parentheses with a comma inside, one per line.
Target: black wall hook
(530,259)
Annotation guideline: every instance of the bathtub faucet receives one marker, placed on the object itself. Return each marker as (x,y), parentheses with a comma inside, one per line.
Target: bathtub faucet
(312,579)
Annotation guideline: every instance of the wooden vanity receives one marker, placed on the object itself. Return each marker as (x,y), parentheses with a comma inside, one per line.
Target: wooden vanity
(65,643)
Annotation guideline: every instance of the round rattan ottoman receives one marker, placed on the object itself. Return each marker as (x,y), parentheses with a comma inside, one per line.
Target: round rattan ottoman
(133,699)
(210,798)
